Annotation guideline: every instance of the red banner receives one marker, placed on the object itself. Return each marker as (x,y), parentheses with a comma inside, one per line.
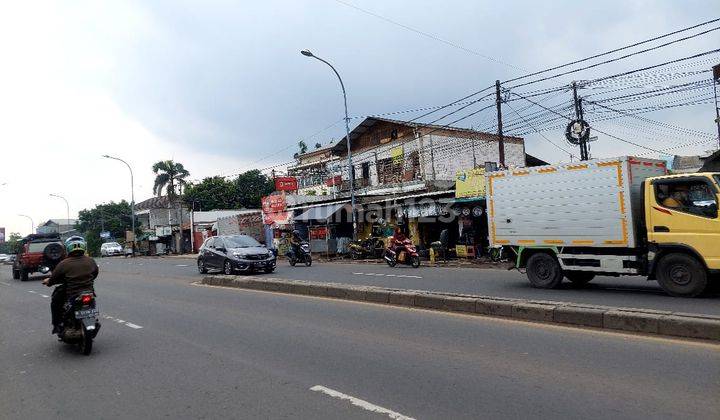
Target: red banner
(336,180)
(286,183)
(273,204)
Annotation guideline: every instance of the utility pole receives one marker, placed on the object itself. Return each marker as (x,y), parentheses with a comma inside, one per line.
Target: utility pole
(579,118)
(716,80)
(501,139)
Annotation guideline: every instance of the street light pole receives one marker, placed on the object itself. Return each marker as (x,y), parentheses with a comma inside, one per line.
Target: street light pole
(132,196)
(67,205)
(32,223)
(351,176)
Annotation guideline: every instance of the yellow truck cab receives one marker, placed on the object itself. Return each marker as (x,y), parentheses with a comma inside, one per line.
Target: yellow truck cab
(683,230)
(622,216)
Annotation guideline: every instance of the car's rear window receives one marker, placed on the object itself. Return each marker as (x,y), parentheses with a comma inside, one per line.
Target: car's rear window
(39,246)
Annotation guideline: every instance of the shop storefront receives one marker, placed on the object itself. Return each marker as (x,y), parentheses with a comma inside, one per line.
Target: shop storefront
(325,226)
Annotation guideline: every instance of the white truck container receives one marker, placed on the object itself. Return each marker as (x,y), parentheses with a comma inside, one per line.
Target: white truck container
(589,212)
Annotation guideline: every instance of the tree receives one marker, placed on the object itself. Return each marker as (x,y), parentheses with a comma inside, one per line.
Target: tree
(170,176)
(11,244)
(250,187)
(211,193)
(115,218)
(216,192)
(302,146)
(318,145)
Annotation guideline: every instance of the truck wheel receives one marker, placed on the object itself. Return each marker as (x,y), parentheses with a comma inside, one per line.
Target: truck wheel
(579,278)
(681,275)
(24,274)
(15,274)
(544,271)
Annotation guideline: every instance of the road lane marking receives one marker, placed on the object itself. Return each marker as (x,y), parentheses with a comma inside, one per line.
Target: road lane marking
(31,291)
(6,284)
(181,265)
(360,403)
(45,296)
(404,276)
(123,322)
(134,326)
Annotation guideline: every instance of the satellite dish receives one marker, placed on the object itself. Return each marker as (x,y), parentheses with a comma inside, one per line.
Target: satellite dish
(577,131)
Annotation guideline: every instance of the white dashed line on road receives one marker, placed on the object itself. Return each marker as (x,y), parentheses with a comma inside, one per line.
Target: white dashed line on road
(123,322)
(357,402)
(31,291)
(401,276)
(45,296)
(6,284)
(181,265)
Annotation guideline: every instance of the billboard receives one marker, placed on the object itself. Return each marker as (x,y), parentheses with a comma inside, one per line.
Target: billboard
(470,183)
(2,235)
(286,183)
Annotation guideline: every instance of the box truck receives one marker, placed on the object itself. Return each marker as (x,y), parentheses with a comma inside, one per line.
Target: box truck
(620,216)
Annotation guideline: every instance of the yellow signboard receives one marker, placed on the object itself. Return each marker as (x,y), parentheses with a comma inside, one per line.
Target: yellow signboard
(470,183)
(397,154)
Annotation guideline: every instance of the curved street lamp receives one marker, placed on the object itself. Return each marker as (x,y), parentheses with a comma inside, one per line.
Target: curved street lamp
(67,205)
(307,53)
(32,222)
(132,196)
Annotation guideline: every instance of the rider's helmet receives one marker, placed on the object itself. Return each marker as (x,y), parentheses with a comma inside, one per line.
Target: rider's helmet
(296,233)
(75,245)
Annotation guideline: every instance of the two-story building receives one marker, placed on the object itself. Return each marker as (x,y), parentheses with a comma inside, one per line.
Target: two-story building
(405,174)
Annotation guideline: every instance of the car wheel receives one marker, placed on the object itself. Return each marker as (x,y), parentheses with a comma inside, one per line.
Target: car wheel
(201,266)
(681,275)
(227,267)
(544,271)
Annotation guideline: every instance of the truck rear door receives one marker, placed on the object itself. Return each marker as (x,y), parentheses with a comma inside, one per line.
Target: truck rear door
(684,211)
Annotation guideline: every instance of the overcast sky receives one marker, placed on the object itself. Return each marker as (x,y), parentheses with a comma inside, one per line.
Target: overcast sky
(221,87)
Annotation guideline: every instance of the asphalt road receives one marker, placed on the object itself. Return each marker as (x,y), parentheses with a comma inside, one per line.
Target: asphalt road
(168,348)
(633,292)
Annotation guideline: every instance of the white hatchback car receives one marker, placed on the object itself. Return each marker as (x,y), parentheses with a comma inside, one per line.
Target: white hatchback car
(109,249)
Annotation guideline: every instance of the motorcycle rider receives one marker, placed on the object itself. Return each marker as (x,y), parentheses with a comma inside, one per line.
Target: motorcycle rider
(73,275)
(396,241)
(295,242)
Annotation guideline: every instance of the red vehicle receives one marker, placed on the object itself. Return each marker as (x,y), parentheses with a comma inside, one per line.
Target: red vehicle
(37,253)
(403,252)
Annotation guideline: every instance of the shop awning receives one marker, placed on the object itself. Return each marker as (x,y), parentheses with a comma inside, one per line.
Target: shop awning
(322,213)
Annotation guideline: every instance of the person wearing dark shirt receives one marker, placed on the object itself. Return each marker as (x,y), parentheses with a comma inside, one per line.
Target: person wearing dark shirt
(74,274)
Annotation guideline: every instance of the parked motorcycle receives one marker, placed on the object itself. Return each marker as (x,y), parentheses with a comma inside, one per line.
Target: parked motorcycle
(80,321)
(371,247)
(404,253)
(303,257)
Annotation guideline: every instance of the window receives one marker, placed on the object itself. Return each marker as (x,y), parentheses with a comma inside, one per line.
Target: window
(210,243)
(366,170)
(694,196)
(240,241)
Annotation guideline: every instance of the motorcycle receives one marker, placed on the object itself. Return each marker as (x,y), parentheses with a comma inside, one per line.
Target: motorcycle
(304,256)
(80,321)
(371,247)
(404,253)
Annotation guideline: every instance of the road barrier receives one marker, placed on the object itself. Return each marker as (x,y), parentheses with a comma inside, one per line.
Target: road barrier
(570,314)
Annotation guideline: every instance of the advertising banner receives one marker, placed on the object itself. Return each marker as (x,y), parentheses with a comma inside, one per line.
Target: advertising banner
(273,203)
(286,183)
(470,183)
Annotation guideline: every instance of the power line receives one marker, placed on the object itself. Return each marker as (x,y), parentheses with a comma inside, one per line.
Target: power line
(612,60)
(615,50)
(541,134)
(428,35)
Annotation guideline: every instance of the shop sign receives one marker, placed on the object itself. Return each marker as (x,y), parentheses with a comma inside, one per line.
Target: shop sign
(286,183)
(273,203)
(336,180)
(470,183)
(397,154)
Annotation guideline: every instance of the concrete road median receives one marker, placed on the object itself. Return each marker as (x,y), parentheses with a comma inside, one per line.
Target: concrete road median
(664,323)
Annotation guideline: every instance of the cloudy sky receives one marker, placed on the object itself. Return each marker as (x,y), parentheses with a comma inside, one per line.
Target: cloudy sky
(221,87)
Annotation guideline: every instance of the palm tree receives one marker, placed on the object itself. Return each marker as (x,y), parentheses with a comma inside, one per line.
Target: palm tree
(168,176)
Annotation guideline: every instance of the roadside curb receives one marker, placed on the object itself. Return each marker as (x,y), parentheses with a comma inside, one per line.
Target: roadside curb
(425,263)
(647,321)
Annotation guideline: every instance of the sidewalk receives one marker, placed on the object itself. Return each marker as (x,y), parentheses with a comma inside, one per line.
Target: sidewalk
(474,263)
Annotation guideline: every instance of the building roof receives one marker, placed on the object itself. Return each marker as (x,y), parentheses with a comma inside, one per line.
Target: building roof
(369,122)
(153,203)
(60,222)
(712,163)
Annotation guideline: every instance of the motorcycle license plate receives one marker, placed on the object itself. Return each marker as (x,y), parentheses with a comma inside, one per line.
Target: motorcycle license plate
(86,313)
